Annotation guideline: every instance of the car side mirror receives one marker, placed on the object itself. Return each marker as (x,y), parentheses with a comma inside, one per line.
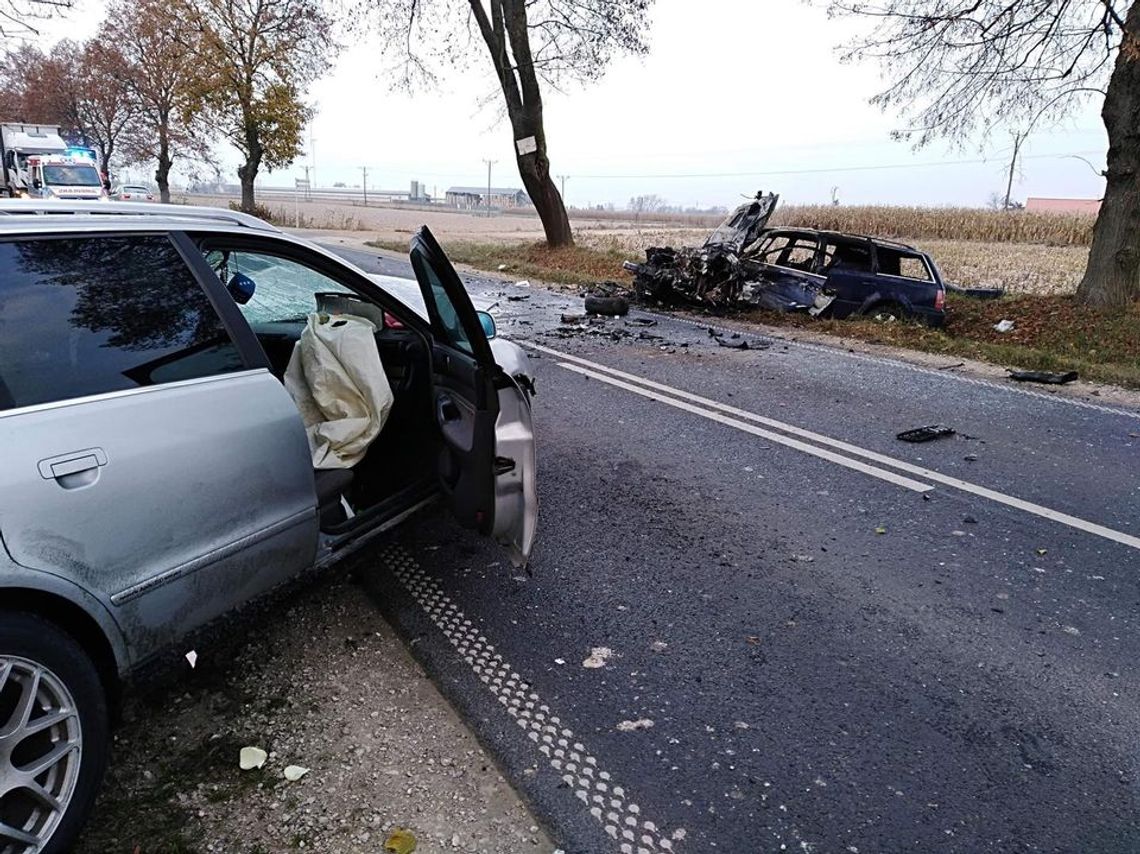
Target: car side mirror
(37,184)
(241,288)
(488,324)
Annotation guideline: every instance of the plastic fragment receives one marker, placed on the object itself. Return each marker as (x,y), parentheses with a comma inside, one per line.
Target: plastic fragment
(400,841)
(192,657)
(293,773)
(1004,326)
(252,757)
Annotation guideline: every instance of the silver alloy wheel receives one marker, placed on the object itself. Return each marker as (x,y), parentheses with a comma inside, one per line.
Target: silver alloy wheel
(41,748)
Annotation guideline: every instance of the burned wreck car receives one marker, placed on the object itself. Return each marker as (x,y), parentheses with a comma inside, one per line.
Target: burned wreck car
(745,264)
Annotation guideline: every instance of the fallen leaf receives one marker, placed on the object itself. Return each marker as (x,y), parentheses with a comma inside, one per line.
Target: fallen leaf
(252,757)
(400,841)
(293,773)
(1042,552)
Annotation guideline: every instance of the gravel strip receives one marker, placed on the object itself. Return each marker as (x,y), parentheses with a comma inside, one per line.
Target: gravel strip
(319,682)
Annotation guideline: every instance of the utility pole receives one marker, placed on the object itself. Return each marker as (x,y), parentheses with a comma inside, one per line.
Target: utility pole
(563,178)
(489,163)
(364,169)
(313,153)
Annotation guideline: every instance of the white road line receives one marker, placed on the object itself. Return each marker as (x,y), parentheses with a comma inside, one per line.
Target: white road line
(874,359)
(846,462)
(606,800)
(919,471)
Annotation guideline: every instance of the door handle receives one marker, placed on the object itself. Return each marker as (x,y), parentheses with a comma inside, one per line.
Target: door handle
(447,410)
(73,463)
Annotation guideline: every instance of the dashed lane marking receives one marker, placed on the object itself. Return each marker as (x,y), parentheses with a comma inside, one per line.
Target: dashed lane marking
(605,799)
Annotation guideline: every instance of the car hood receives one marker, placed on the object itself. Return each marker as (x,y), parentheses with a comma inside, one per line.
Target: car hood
(744,224)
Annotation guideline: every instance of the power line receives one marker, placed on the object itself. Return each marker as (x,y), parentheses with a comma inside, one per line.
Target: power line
(825,170)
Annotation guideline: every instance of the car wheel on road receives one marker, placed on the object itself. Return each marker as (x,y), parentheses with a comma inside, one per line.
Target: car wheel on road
(610,306)
(53,735)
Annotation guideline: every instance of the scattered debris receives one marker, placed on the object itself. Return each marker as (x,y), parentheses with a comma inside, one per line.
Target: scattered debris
(640,321)
(192,657)
(1049,377)
(741,725)
(925,434)
(560,661)
(658,646)
(400,841)
(610,306)
(752,640)
(517,297)
(880,530)
(523,284)
(573,318)
(971,458)
(252,757)
(1004,326)
(293,773)
(976,293)
(501,267)
(633,726)
(599,655)
(952,367)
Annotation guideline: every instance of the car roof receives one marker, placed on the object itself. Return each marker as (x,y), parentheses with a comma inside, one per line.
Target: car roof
(35,216)
(843,235)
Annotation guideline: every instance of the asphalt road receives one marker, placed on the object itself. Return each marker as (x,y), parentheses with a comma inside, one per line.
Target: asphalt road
(831,641)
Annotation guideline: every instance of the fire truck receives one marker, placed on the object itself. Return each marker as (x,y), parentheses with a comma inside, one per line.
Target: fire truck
(39,164)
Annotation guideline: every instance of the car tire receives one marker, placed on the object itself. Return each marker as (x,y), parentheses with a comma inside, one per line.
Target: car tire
(611,306)
(36,651)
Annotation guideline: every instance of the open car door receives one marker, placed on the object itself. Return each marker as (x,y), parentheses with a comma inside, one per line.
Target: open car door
(486,463)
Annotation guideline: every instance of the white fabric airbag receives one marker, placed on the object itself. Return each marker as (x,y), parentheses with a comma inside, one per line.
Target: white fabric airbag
(339,385)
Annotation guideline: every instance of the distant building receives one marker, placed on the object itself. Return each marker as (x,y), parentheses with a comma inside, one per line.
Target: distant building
(1064,206)
(466,198)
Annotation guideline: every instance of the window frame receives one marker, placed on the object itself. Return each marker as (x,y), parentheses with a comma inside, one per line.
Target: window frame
(250,358)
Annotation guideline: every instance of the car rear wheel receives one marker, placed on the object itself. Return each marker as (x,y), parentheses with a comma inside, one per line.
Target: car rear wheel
(53,735)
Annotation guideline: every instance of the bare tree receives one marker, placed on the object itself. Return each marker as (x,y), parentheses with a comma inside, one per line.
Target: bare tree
(164,81)
(20,18)
(258,56)
(81,88)
(529,43)
(964,67)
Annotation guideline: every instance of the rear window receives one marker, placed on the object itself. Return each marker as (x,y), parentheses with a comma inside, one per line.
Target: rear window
(904,264)
(83,316)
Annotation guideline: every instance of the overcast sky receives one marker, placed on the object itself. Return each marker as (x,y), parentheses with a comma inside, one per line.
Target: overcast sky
(731,90)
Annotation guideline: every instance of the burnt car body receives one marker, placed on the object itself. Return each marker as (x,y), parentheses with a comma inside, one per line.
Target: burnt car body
(824,273)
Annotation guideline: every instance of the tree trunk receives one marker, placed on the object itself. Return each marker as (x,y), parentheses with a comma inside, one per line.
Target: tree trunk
(162,173)
(534,169)
(507,28)
(1112,278)
(247,172)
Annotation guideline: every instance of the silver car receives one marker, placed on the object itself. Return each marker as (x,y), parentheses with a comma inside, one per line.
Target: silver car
(155,473)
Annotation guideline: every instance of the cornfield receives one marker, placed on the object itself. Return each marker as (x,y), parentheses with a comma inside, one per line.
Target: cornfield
(914,223)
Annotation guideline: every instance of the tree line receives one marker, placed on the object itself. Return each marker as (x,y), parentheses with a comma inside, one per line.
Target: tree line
(164,80)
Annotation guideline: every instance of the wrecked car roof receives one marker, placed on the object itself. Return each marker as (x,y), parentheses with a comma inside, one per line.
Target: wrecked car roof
(744,224)
(842,235)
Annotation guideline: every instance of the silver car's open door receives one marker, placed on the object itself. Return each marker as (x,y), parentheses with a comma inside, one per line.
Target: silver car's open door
(486,463)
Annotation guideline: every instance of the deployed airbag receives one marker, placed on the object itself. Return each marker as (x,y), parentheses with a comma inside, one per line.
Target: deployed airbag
(336,380)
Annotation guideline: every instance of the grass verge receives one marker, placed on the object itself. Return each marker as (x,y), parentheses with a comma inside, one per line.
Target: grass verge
(1051,333)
